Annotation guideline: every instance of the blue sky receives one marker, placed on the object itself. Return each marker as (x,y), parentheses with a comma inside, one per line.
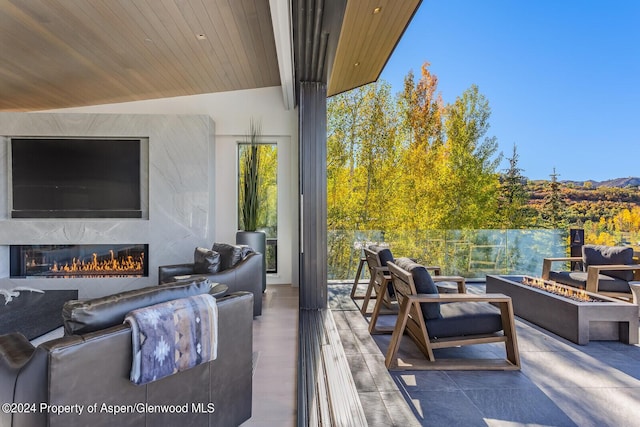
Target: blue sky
(562,77)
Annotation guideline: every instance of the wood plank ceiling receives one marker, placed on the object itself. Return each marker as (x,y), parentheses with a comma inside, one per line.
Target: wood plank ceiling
(69,53)
(374,29)
(59,53)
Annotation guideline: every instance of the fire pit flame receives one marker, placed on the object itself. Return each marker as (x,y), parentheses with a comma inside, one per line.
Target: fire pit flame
(557,289)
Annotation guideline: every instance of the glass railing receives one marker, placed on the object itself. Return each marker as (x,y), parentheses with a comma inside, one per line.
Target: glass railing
(467,253)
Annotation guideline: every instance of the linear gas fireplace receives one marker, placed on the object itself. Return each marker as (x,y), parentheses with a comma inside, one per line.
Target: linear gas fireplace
(79,261)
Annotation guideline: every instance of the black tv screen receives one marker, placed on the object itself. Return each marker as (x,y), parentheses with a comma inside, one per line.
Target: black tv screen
(75,178)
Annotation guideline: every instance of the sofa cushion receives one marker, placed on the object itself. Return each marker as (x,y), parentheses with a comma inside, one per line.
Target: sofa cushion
(424,285)
(609,255)
(230,255)
(83,316)
(206,261)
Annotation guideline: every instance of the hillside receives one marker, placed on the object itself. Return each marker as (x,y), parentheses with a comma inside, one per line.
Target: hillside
(617,182)
(590,200)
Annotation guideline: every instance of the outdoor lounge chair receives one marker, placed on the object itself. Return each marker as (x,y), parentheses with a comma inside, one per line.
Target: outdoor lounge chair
(467,320)
(377,258)
(605,270)
(363,262)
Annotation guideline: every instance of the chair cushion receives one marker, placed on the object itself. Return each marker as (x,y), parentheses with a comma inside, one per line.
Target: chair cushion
(206,261)
(424,285)
(83,316)
(464,319)
(230,255)
(385,256)
(578,279)
(609,255)
(384,253)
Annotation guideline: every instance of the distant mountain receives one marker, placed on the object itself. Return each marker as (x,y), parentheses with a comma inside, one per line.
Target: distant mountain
(611,183)
(589,202)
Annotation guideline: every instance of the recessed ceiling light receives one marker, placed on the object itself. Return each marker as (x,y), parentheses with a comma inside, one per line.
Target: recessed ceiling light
(201,36)
(377,10)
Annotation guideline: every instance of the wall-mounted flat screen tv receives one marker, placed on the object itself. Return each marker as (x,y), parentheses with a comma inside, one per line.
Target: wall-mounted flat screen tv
(75,178)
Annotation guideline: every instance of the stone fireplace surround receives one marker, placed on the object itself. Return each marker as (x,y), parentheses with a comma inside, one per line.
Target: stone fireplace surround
(178,178)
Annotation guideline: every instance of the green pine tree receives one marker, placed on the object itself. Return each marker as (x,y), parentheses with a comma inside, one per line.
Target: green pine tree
(513,212)
(554,205)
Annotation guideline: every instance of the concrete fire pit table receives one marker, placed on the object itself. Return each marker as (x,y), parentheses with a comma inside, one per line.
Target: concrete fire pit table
(601,319)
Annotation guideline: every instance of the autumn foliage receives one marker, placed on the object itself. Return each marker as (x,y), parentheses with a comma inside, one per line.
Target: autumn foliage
(410,163)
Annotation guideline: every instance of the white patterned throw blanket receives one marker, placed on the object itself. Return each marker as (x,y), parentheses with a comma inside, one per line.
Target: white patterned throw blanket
(172,337)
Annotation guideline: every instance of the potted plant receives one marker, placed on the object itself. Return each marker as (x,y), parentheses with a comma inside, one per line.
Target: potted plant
(249,196)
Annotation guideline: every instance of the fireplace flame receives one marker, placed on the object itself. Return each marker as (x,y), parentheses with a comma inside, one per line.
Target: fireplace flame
(557,289)
(112,265)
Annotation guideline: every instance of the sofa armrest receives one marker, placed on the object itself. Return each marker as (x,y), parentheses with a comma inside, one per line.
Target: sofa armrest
(546,264)
(248,277)
(15,352)
(167,272)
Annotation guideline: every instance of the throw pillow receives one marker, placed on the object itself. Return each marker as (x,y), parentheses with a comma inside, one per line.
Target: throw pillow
(206,261)
(245,250)
(230,255)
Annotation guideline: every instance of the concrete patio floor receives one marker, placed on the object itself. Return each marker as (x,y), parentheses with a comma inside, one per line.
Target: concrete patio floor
(560,383)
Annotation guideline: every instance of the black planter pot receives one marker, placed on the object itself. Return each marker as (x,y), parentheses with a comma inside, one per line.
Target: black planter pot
(258,241)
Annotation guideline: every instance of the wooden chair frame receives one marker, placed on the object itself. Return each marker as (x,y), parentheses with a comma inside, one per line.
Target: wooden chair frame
(354,288)
(593,271)
(411,321)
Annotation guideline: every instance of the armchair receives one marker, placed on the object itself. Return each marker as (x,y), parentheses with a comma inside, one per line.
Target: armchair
(466,320)
(377,259)
(606,270)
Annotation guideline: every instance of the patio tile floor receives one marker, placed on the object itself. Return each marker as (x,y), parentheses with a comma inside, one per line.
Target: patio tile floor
(560,383)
